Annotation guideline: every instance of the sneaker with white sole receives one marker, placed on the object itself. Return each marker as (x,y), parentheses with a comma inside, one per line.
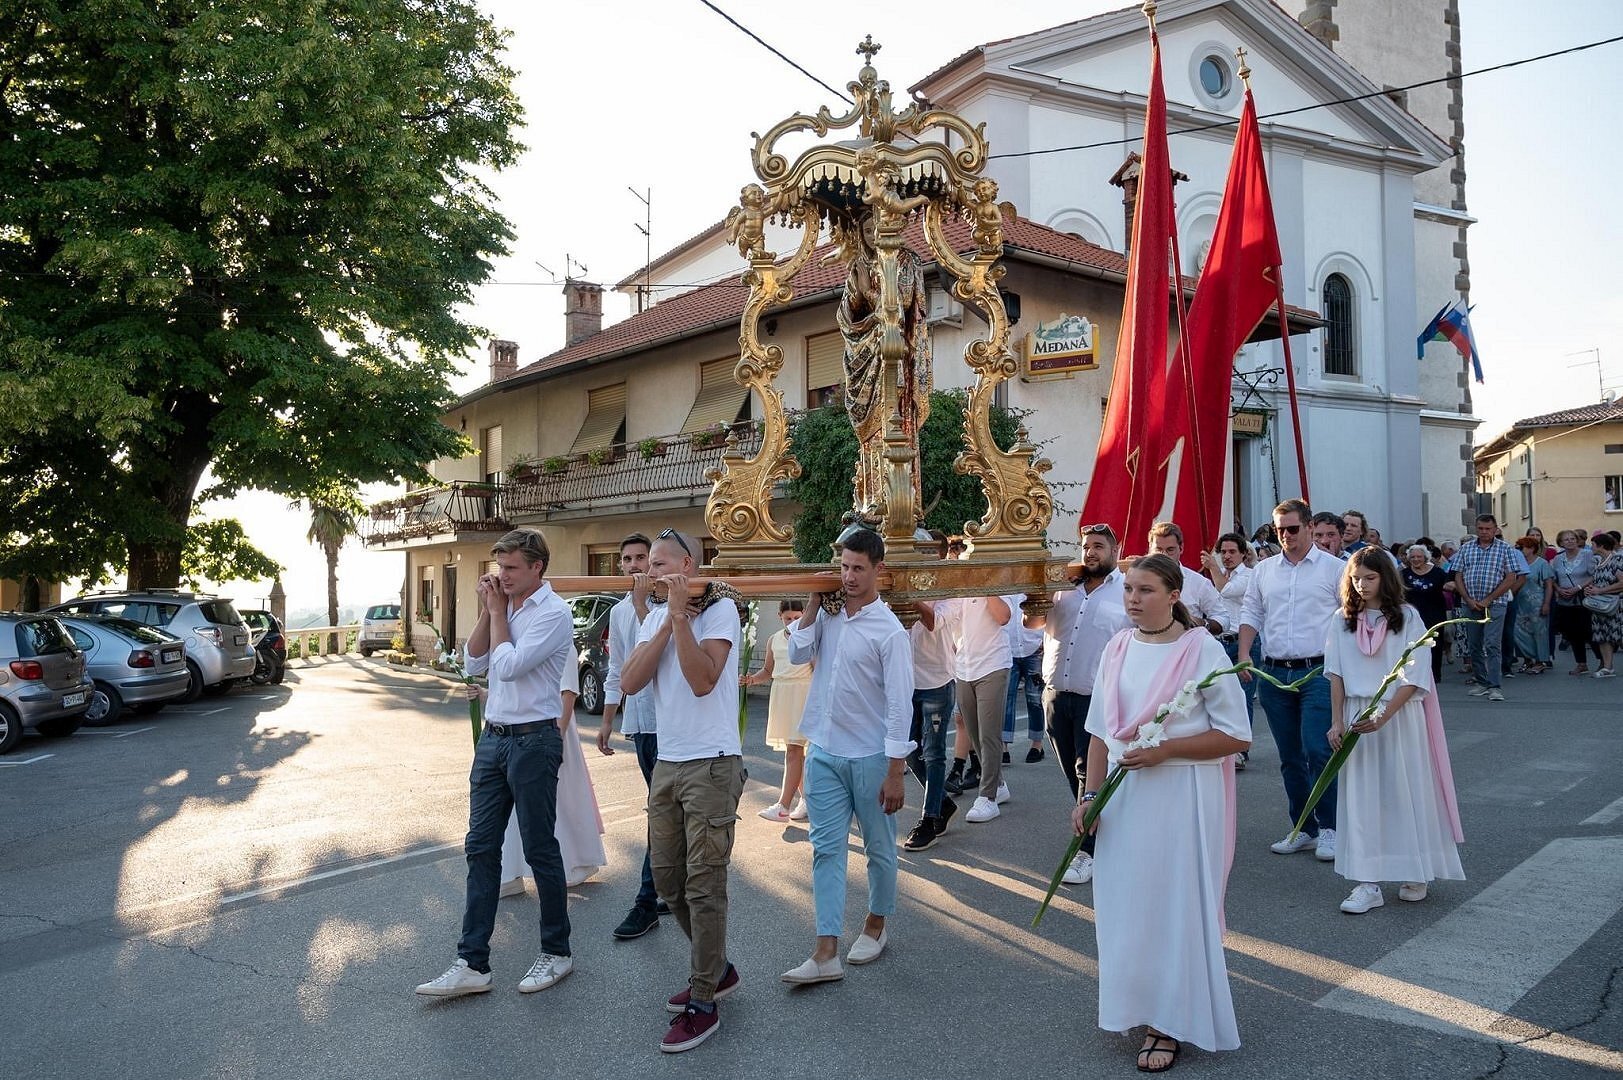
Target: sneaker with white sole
(1080,872)
(776,812)
(799,812)
(1002,793)
(866,948)
(1496,694)
(1325,849)
(1605,673)
(1480,690)
(983,810)
(547,971)
(1293,843)
(458,979)
(1364,897)
(511,887)
(1412,891)
(814,971)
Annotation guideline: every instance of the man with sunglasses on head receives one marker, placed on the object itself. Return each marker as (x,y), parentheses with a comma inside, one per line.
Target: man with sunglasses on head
(1079,623)
(1292,600)
(687,657)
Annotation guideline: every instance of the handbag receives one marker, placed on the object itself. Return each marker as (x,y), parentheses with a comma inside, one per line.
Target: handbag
(1603,605)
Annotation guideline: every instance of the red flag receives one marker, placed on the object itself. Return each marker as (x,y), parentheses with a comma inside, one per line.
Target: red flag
(1126,489)
(1237,287)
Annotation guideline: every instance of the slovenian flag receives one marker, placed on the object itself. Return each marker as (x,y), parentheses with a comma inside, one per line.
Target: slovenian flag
(1453,323)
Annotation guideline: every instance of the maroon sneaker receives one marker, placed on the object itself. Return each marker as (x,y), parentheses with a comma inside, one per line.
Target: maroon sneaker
(678,1003)
(690,1029)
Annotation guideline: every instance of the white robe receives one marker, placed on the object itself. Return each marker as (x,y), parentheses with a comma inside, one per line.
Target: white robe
(1160,867)
(1393,826)
(579,827)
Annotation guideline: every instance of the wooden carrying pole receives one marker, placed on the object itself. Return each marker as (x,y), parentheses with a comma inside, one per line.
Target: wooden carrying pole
(749,585)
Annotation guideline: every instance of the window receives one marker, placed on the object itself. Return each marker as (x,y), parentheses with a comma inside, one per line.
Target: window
(1614,448)
(720,399)
(1527,501)
(425,593)
(1214,76)
(42,637)
(1340,327)
(490,461)
(1614,493)
(605,423)
(825,369)
(383,611)
(603,559)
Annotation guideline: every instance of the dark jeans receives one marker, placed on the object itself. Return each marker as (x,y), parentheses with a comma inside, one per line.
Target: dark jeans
(932,712)
(1067,715)
(647,744)
(1233,649)
(1300,722)
(1028,670)
(1571,621)
(514,772)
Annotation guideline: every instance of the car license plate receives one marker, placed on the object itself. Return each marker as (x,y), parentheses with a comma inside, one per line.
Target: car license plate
(171,655)
(70,700)
(241,639)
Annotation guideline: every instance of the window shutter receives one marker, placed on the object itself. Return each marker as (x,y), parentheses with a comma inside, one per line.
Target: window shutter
(720,398)
(605,416)
(493,462)
(825,363)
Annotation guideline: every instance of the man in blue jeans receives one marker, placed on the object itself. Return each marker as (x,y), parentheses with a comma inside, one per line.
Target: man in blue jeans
(1485,574)
(1026,644)
(636,712)
(1291,601)
(524,636)
(935,651)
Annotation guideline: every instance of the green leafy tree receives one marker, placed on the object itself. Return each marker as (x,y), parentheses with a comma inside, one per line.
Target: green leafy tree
(234,235)
(826,448)
(219,550)
(332,520)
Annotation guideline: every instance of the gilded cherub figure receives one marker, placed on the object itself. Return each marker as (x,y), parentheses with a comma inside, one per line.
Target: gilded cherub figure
(889,207)
(746,223)
(988,214)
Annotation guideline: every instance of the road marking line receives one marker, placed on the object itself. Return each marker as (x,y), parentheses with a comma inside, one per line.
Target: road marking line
(188,711)
(342,871)
(26,761)
(1606,814)
(1477,961)
(114,734)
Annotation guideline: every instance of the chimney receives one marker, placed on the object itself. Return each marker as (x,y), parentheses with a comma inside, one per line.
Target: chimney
(583,311)
(1126,178)
(503,359)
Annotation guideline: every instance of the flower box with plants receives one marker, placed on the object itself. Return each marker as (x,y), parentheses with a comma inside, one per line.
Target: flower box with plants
(708,438)
(478,489)
(651,448)
(603,455)
(522,469)
(555,464)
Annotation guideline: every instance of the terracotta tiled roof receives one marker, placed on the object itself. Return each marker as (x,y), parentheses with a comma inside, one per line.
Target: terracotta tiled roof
(1587,414)
(720,304)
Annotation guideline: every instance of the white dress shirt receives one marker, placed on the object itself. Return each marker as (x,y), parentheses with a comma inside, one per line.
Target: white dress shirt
(1080,625)
(1201,597)
(690,726)
(935,652)
(636,711)
(525,670)
(861,699)
(983,647)
(1233,595)
(1293,604)
(1023,640)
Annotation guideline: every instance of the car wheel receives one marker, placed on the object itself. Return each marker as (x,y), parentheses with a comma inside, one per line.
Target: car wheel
(366,651)
(194,685)
(591,690)
(106,705)
(61,726)
(11,729)
(146,708)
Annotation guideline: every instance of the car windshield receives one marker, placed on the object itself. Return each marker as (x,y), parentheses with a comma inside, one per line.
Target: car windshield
(42,637)
(137,632)
(219,612)
(584,608)
(383,611)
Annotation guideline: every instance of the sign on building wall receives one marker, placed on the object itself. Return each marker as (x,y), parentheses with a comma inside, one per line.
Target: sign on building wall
(1061,346)
(1250,423)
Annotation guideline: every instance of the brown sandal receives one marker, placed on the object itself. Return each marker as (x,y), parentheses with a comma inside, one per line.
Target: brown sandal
(1155,1047)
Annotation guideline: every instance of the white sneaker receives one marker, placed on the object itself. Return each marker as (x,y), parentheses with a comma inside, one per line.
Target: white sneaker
(1002,793)
(1292,844)
(799,812)
(1412,891)
(511,887)
(1080,872)
(866,949)
(547,971)
(776,812)
(1496,694)
(983,810)
(1480,690)
(814,971)
(1325,849)
(458,979)
(1363,897)
(1605,673)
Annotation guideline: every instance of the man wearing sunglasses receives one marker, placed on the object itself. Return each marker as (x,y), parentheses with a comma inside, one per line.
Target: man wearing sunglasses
(1291,601)
(687,654)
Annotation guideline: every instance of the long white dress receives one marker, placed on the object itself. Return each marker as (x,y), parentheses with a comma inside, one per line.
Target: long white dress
(579,826)
(1160,868)
(1394,825)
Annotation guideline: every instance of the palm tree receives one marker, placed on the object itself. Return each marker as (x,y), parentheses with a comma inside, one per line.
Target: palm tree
(331,521)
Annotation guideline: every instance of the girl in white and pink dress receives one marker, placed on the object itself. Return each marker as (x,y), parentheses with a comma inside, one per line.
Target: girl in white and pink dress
(1166,838)
(579,826)
(1399,817)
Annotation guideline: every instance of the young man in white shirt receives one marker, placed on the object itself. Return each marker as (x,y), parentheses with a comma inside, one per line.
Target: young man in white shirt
(1292,599)
(1080,622)
(934,638)
(1199,595)
(687,655)
(636,712)
(856,720)
(984,658)
(524,637)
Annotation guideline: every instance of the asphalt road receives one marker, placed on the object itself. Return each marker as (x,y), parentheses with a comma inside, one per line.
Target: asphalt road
(252,885)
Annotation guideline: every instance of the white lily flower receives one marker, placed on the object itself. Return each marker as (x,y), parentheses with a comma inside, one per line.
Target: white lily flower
(1149,735)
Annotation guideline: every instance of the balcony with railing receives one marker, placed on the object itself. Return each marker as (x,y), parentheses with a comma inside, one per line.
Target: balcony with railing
(653,474)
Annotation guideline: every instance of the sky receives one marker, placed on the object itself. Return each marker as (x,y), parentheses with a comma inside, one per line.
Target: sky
(664,94)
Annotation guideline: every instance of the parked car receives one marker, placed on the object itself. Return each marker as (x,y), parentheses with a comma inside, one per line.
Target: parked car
(378,628)
(218,654)
(592,646)
(265,634)
(42,678)
(130,664)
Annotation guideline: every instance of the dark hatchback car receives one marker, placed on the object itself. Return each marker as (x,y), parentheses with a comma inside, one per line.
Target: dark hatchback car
(592,646)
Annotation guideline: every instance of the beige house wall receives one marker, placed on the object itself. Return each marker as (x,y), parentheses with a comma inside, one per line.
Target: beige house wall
(1568,469)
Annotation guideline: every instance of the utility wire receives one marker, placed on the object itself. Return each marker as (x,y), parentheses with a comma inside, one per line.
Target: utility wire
(758,40)
(1225,123)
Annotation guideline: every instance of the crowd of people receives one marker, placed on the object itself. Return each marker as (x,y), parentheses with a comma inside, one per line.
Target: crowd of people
(1144,664)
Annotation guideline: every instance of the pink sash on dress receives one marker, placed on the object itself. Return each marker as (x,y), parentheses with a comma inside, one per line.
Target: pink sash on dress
(1370,638)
